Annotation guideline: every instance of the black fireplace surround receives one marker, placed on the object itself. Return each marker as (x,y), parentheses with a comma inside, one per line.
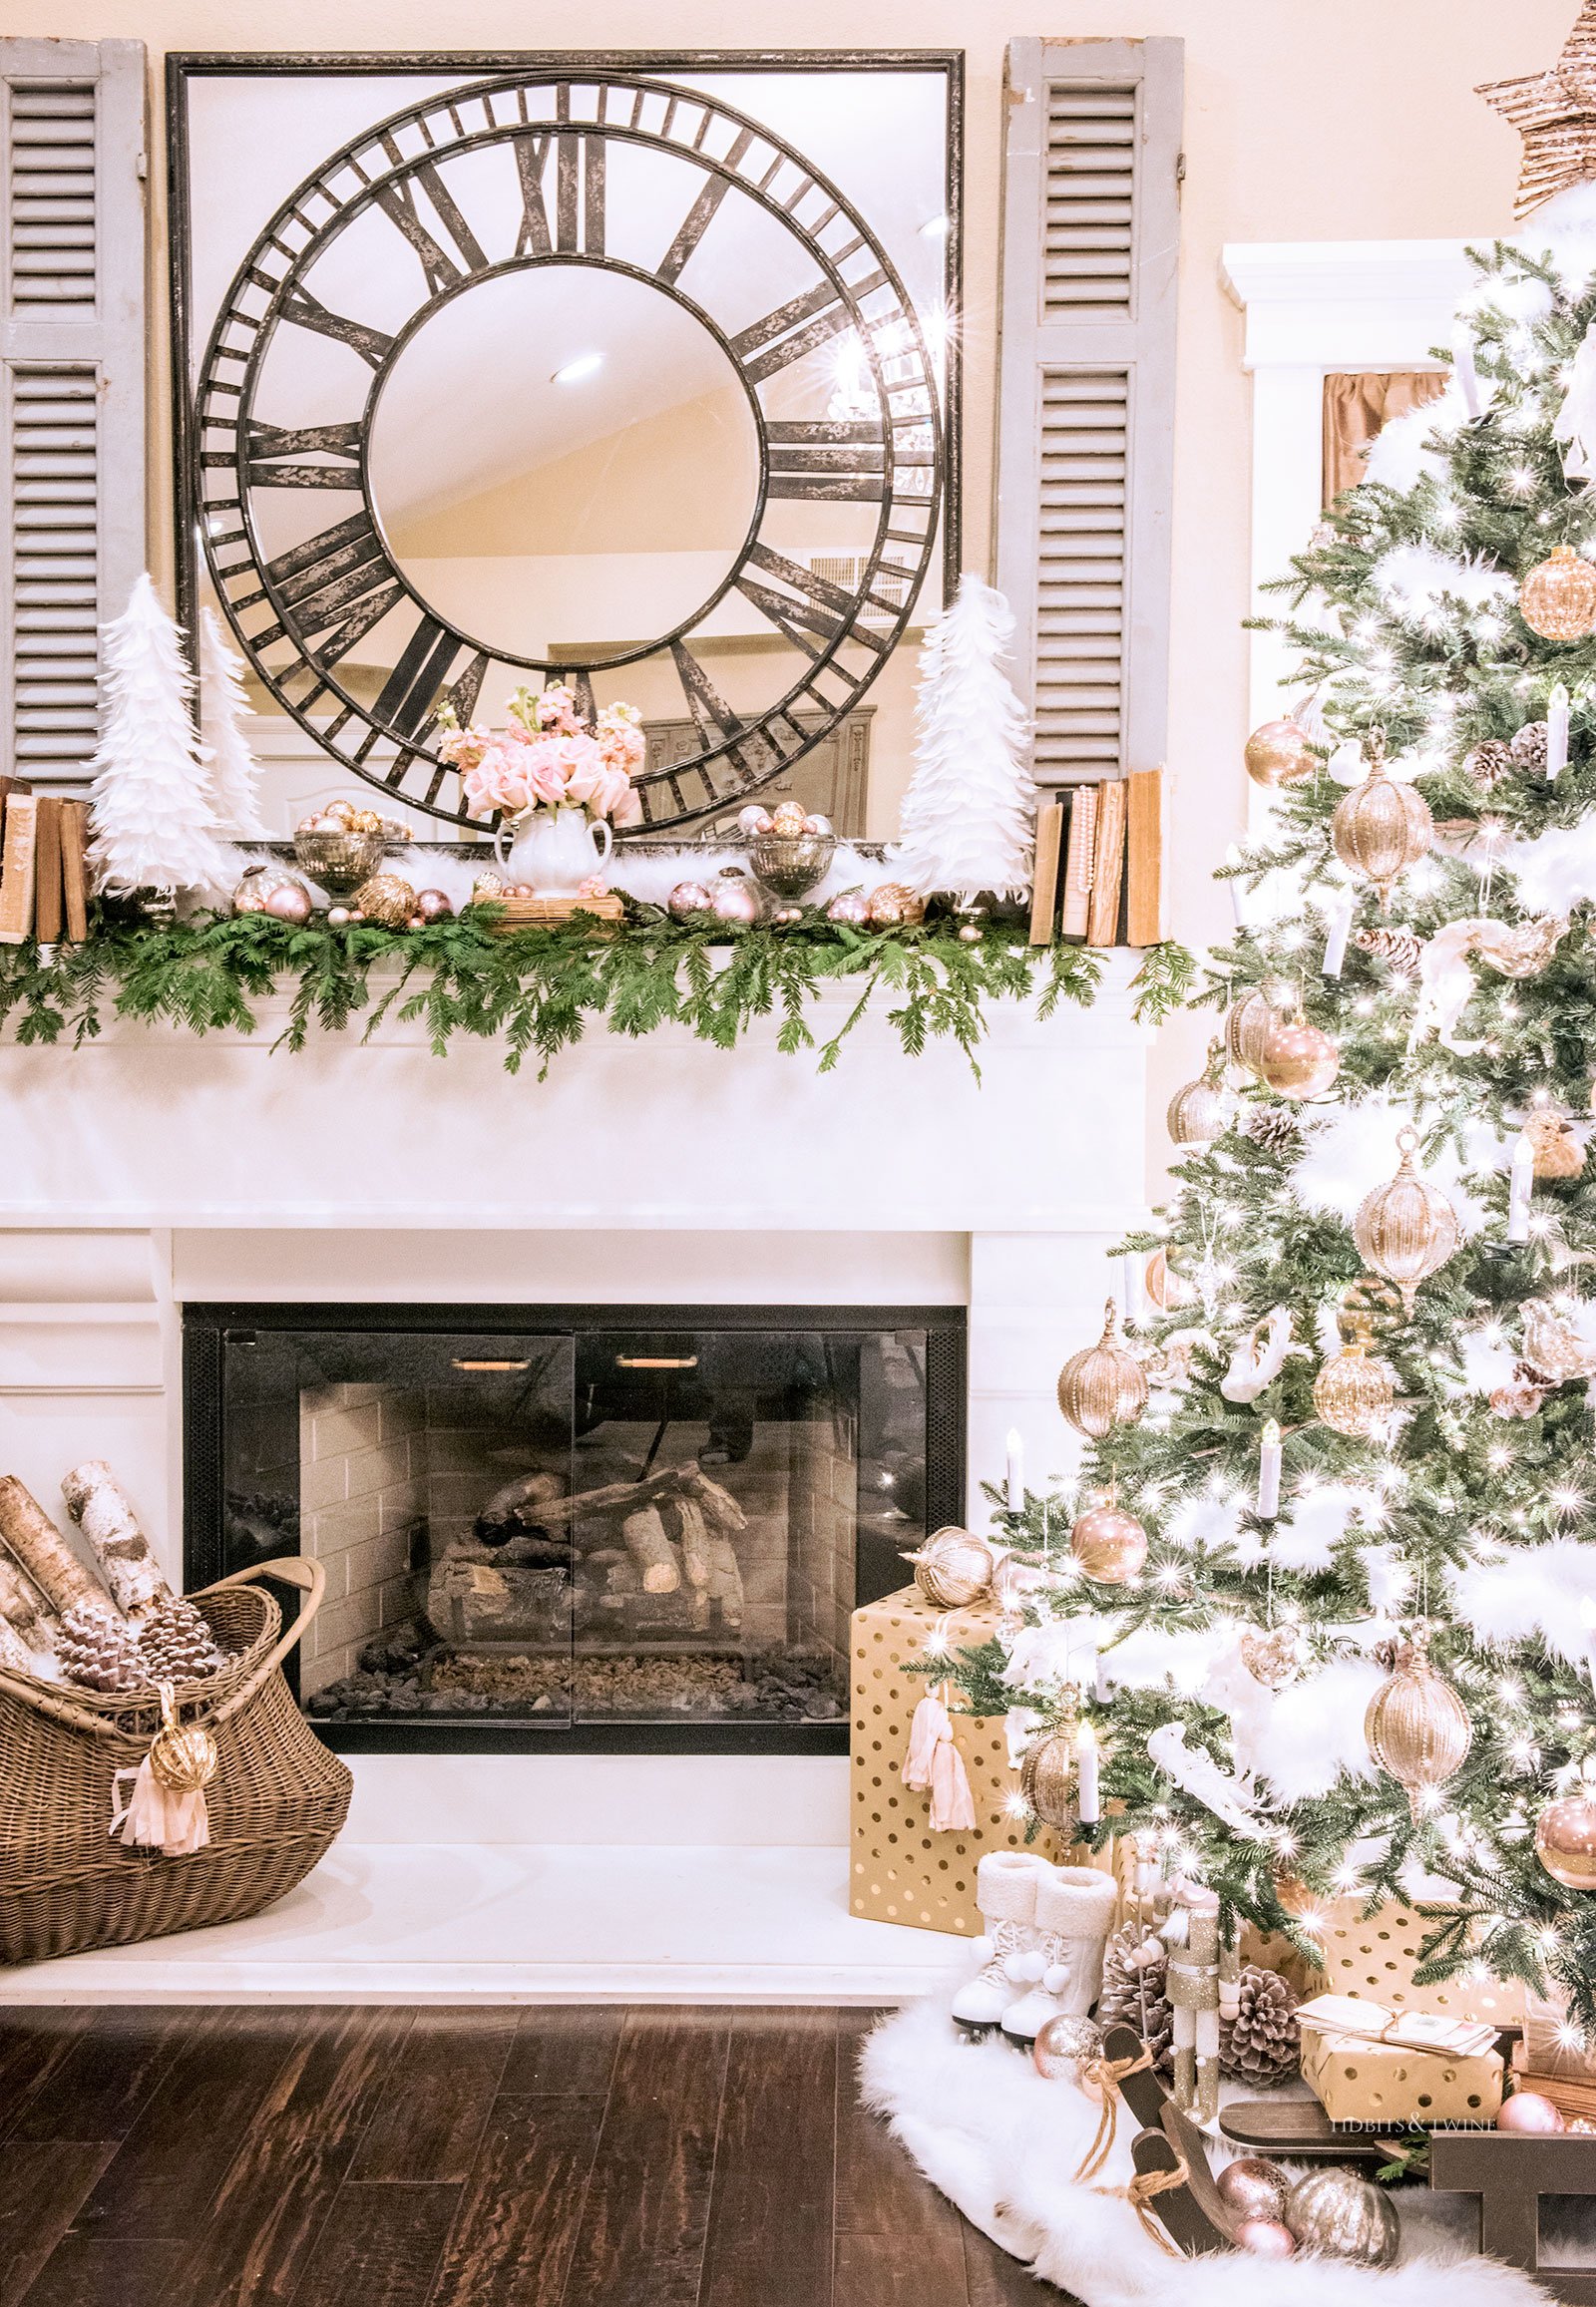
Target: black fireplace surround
(574,1528)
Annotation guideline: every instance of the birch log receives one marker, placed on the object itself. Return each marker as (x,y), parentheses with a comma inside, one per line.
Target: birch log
(45,1555)
(97,1501)
(24,1609)
(15,1656)
(695,1557)
(725,1579)
(651,1550)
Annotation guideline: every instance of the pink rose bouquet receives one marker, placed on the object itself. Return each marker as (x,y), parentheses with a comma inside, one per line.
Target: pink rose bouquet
(547,757)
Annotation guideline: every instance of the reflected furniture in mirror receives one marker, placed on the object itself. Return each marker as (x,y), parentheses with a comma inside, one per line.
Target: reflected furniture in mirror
(633,374)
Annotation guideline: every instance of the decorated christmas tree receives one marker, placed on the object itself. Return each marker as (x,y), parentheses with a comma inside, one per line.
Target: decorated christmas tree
(1326,1595)
(234,772)
(969,811)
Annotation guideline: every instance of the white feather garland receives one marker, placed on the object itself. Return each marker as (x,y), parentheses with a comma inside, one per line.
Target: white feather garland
(1316,1731)
(1353,1149)
(1532,1591)
(1306,1535)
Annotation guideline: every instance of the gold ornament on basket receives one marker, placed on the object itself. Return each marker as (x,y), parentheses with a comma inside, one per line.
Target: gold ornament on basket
(1557,599)
(1199,1112)
(1299,1060)
(387,899)
(1381,828)
(1565,1836)
(1249,1023)
(1048,1779)
(953,1568)
(1110,1544)
(185,1760)
(1557,1152)
(1354,1394)
(1279,753)
(1407,1230)
(1416,1727)
(1271,1654)
(1103,1387)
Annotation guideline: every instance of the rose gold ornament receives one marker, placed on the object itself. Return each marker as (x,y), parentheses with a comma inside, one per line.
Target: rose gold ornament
(953,1568)
(1110,1544)
(289,902)
(1048,1780)
(434,904)
(253,892)
(489,889)
(1381,828)
(339,916)
(1248,1024)
(734,900)
(752,820)
(1527,2110)
(817,824)
(1064,2045)
(1253,2187)
(852,908)
(1198,1113)
(788,915)
(1103,1387)
(1354,1394)
(1014,1582)
(1266,2238)
(387,898)
(1407,1230)
(1416,1727)
(1343,2217)
(688,898)
(1165,1288)
(1299,1060)
(788,818)
(1565,1836)
(1557,599)
(1278,753)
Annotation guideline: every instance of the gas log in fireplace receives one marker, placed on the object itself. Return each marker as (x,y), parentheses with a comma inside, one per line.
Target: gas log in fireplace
(597,1527)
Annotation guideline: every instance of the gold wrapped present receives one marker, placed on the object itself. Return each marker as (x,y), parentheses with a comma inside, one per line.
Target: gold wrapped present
(1375,1956)
(1371,2066)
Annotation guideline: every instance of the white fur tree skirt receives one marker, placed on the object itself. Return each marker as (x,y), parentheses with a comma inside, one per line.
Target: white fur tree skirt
(1002,2144)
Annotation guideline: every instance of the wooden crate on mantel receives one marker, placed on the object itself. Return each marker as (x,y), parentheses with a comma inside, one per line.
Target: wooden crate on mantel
(548,913)
(899,1871)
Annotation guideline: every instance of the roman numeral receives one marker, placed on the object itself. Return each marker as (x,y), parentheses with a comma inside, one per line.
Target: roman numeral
(336,585)
(580,161)
(837,464)
(701,214)
(532,156)
(406,704)
(397,200)
(715,718)
(796,328)
(820,608)
(301,308)
(270,449)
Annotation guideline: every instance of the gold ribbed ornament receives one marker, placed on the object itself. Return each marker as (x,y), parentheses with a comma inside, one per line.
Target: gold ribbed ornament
(1381,828)
(1407,1230)
(1354,1392)
(1557,599)
(1103,1387)
(1199,1112)
(1048,1779)
(1279,753)
(1417,1725)
(1248,1024)
(387,899)
(953,1568)
(184,1760)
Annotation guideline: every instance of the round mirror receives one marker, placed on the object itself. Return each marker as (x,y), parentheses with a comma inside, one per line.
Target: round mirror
(564,463)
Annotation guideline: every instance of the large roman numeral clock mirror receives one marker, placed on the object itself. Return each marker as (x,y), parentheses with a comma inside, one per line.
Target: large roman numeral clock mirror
(631,373)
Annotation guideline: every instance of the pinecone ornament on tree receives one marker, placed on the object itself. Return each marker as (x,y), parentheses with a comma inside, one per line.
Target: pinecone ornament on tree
(1528,749)
(178,1645)
(1263,2043)
(1489,762)
(1274,1128)
(100,1653)
(1132,1993)
(1398,947)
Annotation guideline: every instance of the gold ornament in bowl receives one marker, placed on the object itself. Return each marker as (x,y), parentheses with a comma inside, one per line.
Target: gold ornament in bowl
(1299,1060)
(1103,1387)
(1354,1394)
(1048,1780)
(790,864)
(1565,1836)
(1407,1230)
(1279,753)
(1199,1112)
(387,899)
(342,859)
(1110,1544)
(1416,1727)
(1381,828)
(1557,599)
(953,1568)
(1249,1023)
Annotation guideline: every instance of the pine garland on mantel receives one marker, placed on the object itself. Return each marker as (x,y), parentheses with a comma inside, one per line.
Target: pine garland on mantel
(537,989)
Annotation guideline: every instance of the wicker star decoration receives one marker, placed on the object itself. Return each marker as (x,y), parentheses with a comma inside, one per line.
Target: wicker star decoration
(1555,114)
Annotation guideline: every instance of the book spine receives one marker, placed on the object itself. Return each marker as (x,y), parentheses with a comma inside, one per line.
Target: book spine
(47,877)
(73,870)
(18,862)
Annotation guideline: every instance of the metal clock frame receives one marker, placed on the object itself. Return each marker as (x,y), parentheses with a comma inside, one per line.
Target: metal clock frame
(355,567)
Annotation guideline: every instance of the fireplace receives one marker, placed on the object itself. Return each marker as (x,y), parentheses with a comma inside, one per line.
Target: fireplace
(592,1527)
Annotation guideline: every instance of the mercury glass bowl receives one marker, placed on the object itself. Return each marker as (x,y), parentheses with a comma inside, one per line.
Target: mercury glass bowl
(790,865)
(340,861)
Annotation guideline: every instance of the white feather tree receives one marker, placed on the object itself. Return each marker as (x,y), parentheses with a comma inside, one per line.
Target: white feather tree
(234,771)
(153,827)
(970,814)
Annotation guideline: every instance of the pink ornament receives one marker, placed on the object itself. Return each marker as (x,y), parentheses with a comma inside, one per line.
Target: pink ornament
(339,916)
(289,902)
(523,889)
(416,922)
(753,820)
(688,898)
(817,824)
(852,908)
(1527,2110)
(1266,2239)
(734,900)
(433,906)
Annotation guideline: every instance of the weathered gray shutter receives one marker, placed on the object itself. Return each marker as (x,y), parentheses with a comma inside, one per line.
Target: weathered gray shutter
(72,384)
(1085,462)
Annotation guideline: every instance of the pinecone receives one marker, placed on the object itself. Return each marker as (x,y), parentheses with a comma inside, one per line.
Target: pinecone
(1132,1993)
(178,1645)
(1398,947)
(1522,1395)
(1263,2043)
(99,1652)
(1489,762)
(1274,1128)
(1528,749)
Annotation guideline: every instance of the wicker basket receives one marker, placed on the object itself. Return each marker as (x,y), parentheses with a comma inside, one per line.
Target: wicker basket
(276,1803)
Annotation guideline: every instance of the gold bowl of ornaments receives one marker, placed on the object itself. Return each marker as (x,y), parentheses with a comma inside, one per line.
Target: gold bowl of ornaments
(341,845)
(790,851)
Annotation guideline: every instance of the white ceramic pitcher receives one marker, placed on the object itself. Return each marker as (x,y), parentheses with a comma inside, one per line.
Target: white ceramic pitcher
(556,850)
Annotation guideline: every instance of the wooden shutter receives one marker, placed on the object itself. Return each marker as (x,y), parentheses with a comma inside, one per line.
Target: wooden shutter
(72,384)
(1085,461)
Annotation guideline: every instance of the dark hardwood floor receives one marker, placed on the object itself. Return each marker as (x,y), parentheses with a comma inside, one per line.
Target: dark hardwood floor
(544,2157)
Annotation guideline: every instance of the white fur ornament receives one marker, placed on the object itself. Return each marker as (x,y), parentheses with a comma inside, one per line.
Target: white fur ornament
(1575,423)
(1316,1731)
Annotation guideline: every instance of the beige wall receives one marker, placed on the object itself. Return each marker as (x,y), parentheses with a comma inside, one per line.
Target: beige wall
(1301,123)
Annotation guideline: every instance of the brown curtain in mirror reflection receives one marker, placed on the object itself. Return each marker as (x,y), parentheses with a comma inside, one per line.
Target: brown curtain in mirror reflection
(1356,407)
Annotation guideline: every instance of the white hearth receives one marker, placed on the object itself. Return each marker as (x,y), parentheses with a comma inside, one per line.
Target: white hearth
(149,1168)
